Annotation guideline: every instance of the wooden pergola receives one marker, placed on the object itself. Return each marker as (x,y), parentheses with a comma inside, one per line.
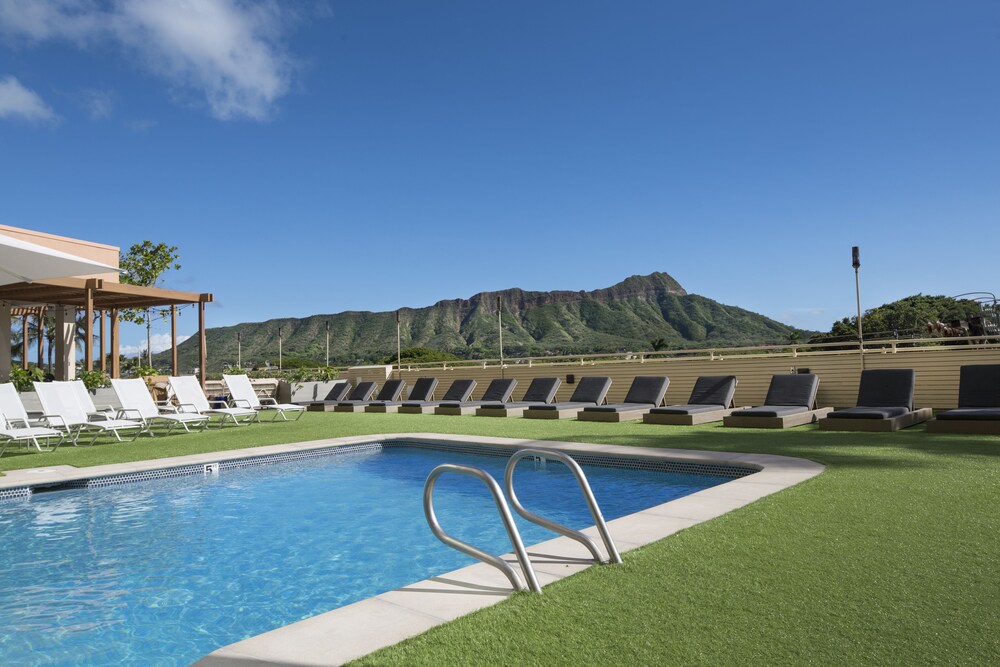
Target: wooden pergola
(96,295)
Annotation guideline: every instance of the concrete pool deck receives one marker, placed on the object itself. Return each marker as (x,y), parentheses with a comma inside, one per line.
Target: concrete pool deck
(350,632)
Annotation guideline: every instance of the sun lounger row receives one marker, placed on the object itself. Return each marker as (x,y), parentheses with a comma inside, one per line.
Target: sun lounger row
(884,403)
(68,411)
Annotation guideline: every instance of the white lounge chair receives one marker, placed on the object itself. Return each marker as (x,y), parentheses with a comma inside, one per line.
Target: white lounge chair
(138,404)
(244,396)
(191,399)
(15,427)
(63,410)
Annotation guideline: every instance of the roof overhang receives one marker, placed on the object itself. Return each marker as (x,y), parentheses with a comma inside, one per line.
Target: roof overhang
(105,294)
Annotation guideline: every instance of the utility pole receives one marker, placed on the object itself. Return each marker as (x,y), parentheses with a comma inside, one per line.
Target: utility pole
(328,342)
(399,358)
(239,351)
(500,325)
(856,263)
(279,348)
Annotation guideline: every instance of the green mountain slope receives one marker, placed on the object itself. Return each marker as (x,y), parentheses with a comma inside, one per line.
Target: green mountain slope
(627,316)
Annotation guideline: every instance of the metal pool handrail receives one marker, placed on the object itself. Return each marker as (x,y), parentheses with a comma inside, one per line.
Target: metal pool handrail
(588,495)
(508,522)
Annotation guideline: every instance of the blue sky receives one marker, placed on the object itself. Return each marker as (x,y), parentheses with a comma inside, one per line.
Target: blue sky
(320,157)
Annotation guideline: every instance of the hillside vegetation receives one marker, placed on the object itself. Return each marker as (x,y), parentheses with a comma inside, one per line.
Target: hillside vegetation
(625,317)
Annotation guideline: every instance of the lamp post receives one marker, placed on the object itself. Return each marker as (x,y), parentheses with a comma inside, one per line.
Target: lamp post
(399,358)
(328,342)
(500,326)
(239,351)
(279,348)
(856,263)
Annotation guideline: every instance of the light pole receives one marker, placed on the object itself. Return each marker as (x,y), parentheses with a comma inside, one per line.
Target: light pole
(500,326)
(328,342)
(399,358)
(279,348)
(239,351)
(856,263)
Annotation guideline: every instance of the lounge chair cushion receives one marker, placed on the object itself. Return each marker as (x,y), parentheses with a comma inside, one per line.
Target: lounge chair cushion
(792,389)
(541,390)
(868,413)
(459,391)
(771,411)
(647,389)
(362,392)
(617,407)
(714,390)
(423,389)
(391,390)
(561,406)
(687,409)
(338,391)
(979,386)
(591,389)
(887,387)
(972,414)
(499,391)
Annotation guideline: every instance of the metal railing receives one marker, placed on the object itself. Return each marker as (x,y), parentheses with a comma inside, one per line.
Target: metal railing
(588,495)
(530,581)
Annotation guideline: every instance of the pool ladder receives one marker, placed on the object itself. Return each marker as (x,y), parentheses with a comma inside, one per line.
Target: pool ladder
(530,581)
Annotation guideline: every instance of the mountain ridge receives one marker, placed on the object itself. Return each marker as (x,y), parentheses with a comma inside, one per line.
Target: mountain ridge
(626,316)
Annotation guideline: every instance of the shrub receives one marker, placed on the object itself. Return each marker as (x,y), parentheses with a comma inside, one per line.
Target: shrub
(23,379)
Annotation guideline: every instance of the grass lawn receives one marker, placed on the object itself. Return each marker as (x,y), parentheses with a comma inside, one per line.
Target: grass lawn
(889,557)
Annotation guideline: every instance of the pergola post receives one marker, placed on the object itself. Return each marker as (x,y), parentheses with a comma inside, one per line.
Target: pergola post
(175,369)
(5,357)
(116,364)
(41,337)
(24,342)
(202,351)
(88,343)
(65,337)
(104,343)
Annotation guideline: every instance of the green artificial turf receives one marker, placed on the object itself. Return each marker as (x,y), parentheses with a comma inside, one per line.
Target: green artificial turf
(888,557)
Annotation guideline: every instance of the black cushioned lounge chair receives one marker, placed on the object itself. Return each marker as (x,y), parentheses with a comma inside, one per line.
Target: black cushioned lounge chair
(710,401)
(646,393)
(391,391)
(885,403)
(336,394)
(790,401)
(459,391)
(978,409)
(541,391)
(423,390)
(498,391)
(590,391)
(362,392)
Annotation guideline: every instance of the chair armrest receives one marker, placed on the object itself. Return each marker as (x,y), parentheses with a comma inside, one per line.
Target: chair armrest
(167,409)
(125,413)
(182,407)
(218,402)
(242,403)
(50,419)
(267,400)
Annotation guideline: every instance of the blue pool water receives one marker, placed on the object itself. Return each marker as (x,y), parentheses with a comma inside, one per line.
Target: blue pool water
(163,572)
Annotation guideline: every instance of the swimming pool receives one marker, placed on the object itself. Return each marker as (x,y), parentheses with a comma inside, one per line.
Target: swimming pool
(164,571)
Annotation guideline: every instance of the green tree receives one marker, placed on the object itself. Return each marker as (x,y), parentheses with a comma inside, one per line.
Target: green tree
(659,344)
(419,355)
(143,265)
(909,315)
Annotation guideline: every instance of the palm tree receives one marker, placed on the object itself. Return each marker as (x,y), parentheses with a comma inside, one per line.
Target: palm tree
(49,334)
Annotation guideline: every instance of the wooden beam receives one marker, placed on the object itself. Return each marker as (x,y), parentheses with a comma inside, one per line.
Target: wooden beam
(202,352)
(173,341)
(116,366)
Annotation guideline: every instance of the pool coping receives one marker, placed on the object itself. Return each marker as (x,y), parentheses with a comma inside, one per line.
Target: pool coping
(352,631)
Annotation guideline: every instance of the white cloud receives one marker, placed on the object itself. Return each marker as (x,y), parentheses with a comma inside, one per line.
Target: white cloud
(16,101)
(100,104)
(160,342)
(229,51)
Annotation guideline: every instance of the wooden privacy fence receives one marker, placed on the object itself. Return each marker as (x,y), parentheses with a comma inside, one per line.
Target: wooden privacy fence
(937,367)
